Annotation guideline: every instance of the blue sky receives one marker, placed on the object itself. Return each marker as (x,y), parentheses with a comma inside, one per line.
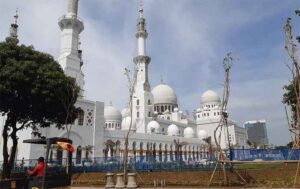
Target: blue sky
(187,42)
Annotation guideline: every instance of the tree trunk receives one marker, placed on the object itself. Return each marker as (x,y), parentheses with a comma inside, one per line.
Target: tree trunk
(5,151)
(125,157)
(8,160)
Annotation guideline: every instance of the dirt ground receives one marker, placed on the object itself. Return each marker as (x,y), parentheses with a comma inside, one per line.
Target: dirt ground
(258,176)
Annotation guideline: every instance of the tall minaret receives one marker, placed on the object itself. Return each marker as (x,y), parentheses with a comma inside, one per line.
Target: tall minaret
(13,31)
(142,98)
(70,54)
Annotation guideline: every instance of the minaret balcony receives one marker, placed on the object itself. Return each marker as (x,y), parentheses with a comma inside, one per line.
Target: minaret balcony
(142,59)
(143,34)
(71,21)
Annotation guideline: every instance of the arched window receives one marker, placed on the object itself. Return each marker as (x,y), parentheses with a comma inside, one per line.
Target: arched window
(137,102)
(149,114)
(109,125)
(162,109)
(80,116)
(149,102)
(137,114)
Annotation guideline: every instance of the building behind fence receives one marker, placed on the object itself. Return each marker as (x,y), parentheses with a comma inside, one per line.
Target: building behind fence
(159,163)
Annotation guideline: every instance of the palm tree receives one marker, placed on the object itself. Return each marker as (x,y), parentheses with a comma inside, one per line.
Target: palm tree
(88,150)
(178,148)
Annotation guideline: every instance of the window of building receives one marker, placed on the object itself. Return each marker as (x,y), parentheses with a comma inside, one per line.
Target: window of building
(149,114)
(149,102)
(163,129)
(208,106)
(207,114)
(137,102)
(152,130)
(214,113)
(162,108)
(137,114)
(80,117)
(168,118)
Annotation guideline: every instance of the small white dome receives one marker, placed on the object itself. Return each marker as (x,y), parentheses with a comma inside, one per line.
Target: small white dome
(164,94)
(153,127)
(126,124)
(112,114)
(210,96)
(173,130)
(125,112)
(176,109)
(188,132)
(202,134)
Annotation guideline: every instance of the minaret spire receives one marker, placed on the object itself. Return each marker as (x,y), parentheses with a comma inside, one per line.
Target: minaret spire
(70,54)
(72,7)
(142,103)
(13,31)
(142,60)
(141,9)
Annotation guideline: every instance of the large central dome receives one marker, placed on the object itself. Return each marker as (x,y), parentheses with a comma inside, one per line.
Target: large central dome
(164,94)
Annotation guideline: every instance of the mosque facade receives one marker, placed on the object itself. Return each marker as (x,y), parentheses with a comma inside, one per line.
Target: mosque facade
(158,126)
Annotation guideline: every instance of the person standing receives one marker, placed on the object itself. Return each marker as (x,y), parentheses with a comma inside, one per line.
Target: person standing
(39,168)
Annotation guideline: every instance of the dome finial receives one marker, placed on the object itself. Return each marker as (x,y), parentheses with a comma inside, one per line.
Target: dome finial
(141,9)
(161,79)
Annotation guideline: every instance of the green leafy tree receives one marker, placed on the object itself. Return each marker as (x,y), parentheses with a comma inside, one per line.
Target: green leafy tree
(34,92)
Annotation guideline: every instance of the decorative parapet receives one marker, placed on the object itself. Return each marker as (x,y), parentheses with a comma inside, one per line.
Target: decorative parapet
(142,59)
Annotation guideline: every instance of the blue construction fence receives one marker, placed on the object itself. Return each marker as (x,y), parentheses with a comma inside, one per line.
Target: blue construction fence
(157,163)
(264,154)
(115,164)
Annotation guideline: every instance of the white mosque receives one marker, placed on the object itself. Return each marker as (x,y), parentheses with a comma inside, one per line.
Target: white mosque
(158,124)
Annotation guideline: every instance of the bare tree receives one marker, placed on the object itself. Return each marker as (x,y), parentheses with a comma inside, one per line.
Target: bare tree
(291,48)
(294,122)
(131,86)
(227,63)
